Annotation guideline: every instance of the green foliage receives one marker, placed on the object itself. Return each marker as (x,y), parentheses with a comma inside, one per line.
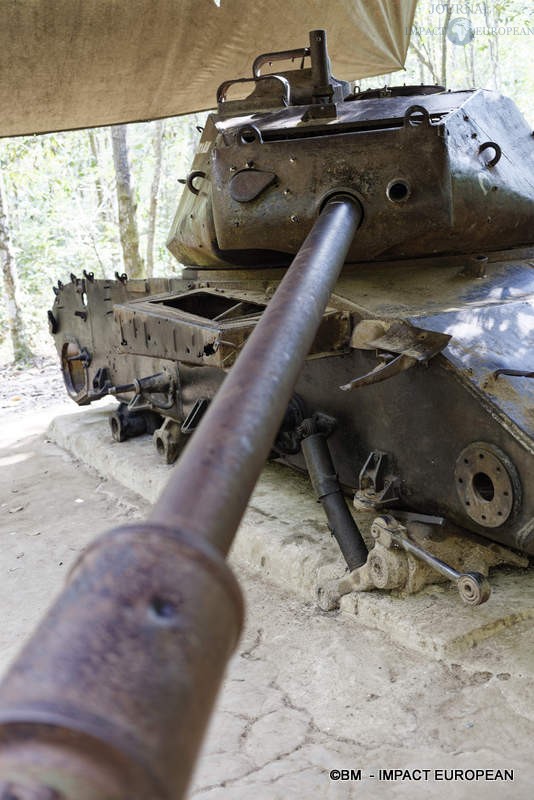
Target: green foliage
(499,57)
(62,207)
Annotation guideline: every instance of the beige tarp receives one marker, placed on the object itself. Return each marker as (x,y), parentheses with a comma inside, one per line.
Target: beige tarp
(76,63)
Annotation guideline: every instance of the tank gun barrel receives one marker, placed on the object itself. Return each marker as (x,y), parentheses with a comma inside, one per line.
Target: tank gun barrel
(253,398)
(112,694)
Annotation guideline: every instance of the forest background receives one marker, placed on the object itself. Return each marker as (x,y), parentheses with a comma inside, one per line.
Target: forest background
(103,199)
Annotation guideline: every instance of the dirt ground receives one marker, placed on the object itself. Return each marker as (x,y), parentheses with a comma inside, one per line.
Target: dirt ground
(308,694)
(31,388)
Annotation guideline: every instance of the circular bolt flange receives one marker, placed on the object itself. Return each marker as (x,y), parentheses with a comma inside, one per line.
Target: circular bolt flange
(487,484)
(474,588)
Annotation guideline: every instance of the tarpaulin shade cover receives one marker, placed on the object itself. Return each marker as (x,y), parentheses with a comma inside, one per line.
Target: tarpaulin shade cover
(78,63)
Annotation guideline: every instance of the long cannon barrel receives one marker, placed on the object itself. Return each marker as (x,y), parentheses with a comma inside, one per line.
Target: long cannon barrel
(111,696)
(212,484)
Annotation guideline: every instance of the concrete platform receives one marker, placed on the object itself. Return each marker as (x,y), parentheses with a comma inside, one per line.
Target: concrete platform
(283,538)
(306,692)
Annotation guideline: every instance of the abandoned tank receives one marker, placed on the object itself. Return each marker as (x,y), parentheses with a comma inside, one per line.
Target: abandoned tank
(419,378)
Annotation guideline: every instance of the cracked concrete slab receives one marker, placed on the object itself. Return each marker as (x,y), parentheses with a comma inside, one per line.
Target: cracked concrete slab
(306,692)
(344,697)
(284,538)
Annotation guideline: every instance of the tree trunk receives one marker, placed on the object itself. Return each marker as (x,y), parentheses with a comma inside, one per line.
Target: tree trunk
(444,40)
(157,142)
(98,181)
(423,48)
(492,23)
(425,61)
(21,349)
(133,263)
(469,55)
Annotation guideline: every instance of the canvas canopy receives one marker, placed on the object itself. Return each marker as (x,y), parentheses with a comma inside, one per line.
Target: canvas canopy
(77,63)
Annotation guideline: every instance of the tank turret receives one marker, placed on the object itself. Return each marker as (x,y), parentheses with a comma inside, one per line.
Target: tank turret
(437,172)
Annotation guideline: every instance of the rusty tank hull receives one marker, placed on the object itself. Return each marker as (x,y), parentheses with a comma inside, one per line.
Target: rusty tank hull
(422,358)
(421,418)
